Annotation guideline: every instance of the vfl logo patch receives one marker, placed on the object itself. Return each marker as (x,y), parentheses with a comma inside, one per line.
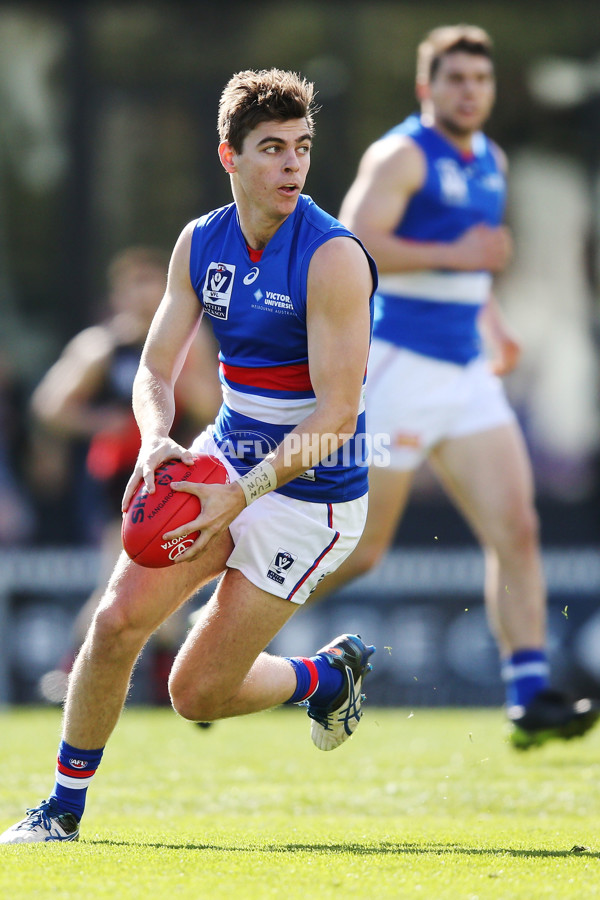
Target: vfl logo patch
(280,565)
(452,182)
(216,292)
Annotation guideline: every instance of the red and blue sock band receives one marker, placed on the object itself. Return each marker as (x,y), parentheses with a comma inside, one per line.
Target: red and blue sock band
(75,769)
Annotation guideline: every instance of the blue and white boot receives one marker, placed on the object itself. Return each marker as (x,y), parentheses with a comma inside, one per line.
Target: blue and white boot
(335,723)
(43,823)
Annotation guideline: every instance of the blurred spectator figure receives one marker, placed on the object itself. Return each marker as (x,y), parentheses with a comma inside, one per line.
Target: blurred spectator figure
(17,521)
(85,399)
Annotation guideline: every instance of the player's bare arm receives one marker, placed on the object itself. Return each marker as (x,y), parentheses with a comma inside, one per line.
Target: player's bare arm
(390,172)
(171,332)
(504,345)
(62,398)
(198,389)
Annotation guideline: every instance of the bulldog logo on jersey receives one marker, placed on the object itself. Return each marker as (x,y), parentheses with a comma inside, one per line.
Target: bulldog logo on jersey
(280,565)
(216,292)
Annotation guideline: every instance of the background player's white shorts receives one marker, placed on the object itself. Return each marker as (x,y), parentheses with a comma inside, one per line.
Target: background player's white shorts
(419,401)
(286,546)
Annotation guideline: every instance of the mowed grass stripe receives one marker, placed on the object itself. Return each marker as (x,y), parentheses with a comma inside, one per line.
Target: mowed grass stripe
(430,803)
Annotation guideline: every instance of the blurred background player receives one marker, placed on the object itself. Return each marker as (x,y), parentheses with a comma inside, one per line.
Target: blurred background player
(85,399)
(428,202)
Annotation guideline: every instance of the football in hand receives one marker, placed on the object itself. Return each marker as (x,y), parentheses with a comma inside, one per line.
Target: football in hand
(150,516)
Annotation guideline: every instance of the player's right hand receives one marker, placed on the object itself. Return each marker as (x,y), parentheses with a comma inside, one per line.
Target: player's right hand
(483,247)
(219,503)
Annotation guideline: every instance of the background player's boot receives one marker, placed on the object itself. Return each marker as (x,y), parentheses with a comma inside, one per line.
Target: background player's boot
(334,723)
(44,823)
(549,716)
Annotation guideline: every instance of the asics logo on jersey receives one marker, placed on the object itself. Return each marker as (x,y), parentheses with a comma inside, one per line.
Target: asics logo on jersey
(252,275)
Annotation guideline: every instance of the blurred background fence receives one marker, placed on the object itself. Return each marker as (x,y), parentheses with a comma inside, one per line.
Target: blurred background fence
(108,139)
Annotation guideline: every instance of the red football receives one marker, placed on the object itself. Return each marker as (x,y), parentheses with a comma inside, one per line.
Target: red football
(149,516)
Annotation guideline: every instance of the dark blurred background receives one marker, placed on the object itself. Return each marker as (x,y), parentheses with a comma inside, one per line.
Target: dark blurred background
(108,138)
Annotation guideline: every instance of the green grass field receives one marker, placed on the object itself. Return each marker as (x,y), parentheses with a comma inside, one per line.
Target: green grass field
(434,805)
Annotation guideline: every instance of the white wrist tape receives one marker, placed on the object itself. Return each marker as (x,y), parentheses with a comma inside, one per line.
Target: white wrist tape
(258,481)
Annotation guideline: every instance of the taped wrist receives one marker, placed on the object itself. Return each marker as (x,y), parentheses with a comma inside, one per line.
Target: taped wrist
(258,481)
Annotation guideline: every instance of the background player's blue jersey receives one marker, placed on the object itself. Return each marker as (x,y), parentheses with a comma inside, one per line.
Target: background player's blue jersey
(258,311)
(434,312)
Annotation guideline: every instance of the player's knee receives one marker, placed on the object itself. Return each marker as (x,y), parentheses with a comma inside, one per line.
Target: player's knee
(520,534)
(527,529)
(194,702)
(113,624)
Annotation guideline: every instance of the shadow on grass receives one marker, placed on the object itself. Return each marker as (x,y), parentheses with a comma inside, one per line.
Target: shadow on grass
(386,847)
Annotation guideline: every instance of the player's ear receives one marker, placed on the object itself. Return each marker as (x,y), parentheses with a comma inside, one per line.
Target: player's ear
(422,90)
(227,157)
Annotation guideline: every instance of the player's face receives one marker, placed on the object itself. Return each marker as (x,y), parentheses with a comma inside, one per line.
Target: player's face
(271,169)
(139,291)
(462,93)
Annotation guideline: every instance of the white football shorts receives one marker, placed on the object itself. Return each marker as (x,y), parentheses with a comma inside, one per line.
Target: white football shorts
(413,402)
(286,546)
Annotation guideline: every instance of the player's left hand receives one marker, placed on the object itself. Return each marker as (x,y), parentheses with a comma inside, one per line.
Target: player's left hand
(507,354)
(153,452)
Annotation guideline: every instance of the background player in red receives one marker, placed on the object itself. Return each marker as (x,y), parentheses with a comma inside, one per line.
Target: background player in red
(85,400)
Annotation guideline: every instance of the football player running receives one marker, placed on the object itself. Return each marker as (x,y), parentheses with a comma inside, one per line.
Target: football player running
(288,289)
